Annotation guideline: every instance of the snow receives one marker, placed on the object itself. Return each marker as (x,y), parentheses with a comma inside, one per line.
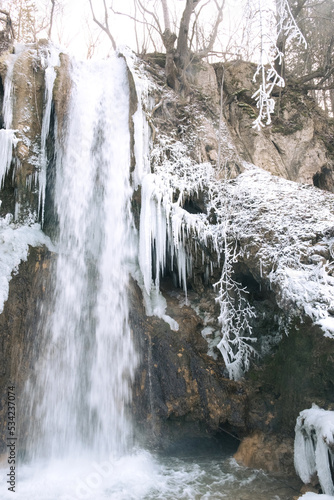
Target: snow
(14,248)
(314,446)
(314,496)
(289,227)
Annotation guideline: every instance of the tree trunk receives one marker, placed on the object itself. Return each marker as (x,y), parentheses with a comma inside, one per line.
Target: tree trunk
(182,49)
(51,18)
(169,39)
(280,62)
(166,15)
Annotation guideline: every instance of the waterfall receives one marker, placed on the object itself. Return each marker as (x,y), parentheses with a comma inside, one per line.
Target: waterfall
(83,383)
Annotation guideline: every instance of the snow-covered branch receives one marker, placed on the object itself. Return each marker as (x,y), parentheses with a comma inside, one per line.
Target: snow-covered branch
(269,76)
(234,318)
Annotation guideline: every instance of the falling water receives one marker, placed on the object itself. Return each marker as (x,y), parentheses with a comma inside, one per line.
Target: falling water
(83,385)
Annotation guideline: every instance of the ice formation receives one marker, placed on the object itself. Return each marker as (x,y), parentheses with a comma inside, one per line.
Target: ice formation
(315,496)
(7,142)
(48,57)
(314,447)
(7,135)
(287,250)
(50,62)
(14,238)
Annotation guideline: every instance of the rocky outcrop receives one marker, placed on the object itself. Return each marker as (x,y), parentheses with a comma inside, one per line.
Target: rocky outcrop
(298,145)
(270,453)
(23,186)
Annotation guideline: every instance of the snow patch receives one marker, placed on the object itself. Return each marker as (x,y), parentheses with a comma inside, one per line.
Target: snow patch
(14,248)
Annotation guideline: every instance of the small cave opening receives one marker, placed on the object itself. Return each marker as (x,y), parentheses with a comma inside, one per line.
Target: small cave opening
(192,441)
(324,179)
(243,276)
(195,205)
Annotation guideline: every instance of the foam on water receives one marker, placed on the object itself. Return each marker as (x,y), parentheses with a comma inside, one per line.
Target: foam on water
(142,476)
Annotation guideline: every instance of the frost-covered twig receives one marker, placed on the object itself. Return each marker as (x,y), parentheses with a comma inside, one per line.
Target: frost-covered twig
(234,318)
(288,28)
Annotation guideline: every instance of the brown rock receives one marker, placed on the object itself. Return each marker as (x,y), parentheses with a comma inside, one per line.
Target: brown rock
(270,453)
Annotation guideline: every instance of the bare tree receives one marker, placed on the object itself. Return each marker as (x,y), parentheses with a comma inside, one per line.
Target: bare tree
(7,35)
(178,58)
(28,21)
(312,67)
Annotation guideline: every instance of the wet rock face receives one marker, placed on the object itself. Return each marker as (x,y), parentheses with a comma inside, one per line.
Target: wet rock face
(179,390)
(19,339)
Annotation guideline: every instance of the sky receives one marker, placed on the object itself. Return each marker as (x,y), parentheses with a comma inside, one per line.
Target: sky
(74,27)
(75,31)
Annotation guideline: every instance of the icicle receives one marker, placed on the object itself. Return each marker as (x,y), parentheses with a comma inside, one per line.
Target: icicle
(7,109)
(7,140)
(141,126)
(50,76)
(7,136)
(145,235)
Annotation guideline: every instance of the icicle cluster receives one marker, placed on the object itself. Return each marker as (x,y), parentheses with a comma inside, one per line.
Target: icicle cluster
(314,447)
(8,138)
(49,59)
(165,227)
(171,239)
(15,238)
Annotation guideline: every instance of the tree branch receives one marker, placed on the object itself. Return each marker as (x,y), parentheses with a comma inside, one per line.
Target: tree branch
(209,47)
(105,27)
(146,23)
(9,24)
(155,17)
